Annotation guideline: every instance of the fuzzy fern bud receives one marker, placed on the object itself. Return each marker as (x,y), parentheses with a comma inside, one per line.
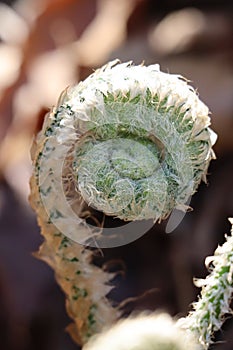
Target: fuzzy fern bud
(130,141)
(144,332)
(136,142)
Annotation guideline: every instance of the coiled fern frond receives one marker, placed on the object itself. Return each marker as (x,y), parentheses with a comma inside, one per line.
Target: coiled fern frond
(129,141)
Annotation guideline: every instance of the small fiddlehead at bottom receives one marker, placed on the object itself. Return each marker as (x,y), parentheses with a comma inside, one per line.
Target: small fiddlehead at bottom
(144,332)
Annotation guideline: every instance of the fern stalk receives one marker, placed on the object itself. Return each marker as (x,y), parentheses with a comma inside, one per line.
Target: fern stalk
(210,311)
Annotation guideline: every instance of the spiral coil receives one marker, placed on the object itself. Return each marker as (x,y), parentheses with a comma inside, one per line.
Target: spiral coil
(129,141)
(138,142)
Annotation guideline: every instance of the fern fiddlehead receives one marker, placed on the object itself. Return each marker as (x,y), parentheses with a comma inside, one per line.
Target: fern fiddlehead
(144,332)
(130,141)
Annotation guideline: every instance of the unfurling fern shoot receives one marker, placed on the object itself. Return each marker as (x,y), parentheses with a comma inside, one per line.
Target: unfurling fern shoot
(131,142)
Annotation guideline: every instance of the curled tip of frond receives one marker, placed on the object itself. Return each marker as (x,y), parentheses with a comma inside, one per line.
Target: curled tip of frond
(149,132)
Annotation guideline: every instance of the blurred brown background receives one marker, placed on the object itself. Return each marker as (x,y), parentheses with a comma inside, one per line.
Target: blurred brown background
(49,44)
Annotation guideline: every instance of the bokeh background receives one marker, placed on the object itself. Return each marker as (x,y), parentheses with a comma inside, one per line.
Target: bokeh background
(46,45)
